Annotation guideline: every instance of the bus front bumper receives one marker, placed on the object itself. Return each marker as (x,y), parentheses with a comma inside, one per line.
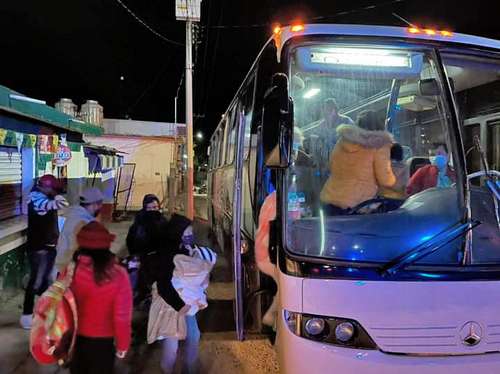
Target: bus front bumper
(298,355)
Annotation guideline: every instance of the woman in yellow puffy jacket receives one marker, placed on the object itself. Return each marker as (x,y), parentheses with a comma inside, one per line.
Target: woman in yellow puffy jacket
(360,164)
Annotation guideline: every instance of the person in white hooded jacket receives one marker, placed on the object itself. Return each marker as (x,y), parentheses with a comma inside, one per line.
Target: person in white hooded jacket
(76,217)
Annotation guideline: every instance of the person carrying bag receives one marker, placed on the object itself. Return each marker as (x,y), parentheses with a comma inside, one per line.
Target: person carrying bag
(55,322)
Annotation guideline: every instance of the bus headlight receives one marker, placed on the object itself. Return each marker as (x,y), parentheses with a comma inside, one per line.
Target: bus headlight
(315,326)
(338,331)
(344,331)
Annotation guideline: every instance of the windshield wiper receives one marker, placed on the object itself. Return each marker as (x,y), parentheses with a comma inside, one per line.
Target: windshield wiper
(428,247)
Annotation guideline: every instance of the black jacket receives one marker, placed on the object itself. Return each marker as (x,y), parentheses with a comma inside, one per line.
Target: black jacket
(43,229)
(164,272)
(147,234)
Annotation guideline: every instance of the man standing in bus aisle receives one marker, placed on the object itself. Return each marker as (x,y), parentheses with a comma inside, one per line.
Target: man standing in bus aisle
(323,136)
(77,216)
(320,139)
(438,174)
(42,236)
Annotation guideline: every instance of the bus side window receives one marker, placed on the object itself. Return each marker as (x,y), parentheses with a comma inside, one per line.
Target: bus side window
(247,109)
(222,144)
(231,137)
(215,152)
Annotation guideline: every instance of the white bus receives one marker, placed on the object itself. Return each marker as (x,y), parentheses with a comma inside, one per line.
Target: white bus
(375,287)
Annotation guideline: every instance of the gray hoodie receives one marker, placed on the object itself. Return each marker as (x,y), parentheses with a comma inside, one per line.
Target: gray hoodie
(75,218)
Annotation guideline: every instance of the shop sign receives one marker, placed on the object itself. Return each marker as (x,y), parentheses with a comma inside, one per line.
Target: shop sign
(63,153)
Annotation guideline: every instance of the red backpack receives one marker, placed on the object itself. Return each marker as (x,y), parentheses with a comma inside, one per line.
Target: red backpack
(55,322)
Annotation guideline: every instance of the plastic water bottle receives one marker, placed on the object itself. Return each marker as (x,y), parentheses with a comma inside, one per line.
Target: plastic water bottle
(294,200)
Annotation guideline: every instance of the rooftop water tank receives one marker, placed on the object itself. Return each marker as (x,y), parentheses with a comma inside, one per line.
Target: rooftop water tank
(92,112)
(67,106)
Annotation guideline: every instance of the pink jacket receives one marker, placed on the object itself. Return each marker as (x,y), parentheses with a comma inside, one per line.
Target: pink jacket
(266,215)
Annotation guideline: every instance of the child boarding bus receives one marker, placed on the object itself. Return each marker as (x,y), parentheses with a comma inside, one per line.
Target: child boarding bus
(383,145)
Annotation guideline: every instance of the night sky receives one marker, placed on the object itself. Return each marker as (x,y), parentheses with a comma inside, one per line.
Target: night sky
(80,48)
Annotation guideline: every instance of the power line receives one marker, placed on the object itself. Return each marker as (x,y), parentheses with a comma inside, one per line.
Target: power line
(403,19)
(255,25)
(143,23)
(318,18)
(211,76)
(149,87)
(180,84)
(359,10)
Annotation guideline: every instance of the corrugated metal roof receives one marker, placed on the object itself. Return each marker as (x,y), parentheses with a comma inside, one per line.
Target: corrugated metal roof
(21,105)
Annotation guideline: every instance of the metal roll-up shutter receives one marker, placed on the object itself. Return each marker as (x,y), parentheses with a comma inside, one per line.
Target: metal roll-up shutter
(10,182)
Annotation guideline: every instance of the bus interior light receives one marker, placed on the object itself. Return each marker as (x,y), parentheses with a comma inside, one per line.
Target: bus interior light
(311,93)
(361,57)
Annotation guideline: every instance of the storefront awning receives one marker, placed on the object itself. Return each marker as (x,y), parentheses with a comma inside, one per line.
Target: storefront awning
(15,103)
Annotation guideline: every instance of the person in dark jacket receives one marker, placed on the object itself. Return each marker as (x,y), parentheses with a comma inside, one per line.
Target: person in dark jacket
(104,303)
(148,228)
(146,236)
(179,239)
(42,236)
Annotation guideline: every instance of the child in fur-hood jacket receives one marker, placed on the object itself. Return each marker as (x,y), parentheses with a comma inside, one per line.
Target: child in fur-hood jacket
(360,163)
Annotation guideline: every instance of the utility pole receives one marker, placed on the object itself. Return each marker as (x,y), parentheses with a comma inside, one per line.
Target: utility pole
(189,11)
(189,119)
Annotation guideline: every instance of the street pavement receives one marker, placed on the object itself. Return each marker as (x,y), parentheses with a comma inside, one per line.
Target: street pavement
(220,353)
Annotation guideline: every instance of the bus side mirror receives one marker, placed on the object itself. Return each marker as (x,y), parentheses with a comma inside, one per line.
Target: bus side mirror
(277,124)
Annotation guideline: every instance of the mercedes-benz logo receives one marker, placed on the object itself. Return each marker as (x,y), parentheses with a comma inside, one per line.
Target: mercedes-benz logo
(471,334)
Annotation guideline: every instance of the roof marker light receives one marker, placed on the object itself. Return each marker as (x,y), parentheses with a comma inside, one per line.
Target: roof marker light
(297,28)
(277,29)
(431,32)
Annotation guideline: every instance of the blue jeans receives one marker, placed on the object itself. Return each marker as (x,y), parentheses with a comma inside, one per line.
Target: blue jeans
(170,346)
(41,264)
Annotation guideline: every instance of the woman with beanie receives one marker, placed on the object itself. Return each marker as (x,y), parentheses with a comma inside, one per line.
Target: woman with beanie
(360,164)
(180,240)
(104,302)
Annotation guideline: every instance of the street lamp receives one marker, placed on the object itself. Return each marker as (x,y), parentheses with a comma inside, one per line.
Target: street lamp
(199,135)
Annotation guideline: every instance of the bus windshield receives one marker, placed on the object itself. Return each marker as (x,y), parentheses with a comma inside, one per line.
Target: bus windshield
(373,170)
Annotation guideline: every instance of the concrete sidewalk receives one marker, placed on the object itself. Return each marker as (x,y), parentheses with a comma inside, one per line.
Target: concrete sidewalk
(220,353)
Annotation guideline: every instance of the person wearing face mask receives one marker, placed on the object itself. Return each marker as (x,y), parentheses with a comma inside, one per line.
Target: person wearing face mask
(179,241)
(145,238)
(141,237)
(77,216)
(438,174)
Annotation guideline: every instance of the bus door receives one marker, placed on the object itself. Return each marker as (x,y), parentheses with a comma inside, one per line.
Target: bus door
(236,229)
(246,276)
(475,83)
